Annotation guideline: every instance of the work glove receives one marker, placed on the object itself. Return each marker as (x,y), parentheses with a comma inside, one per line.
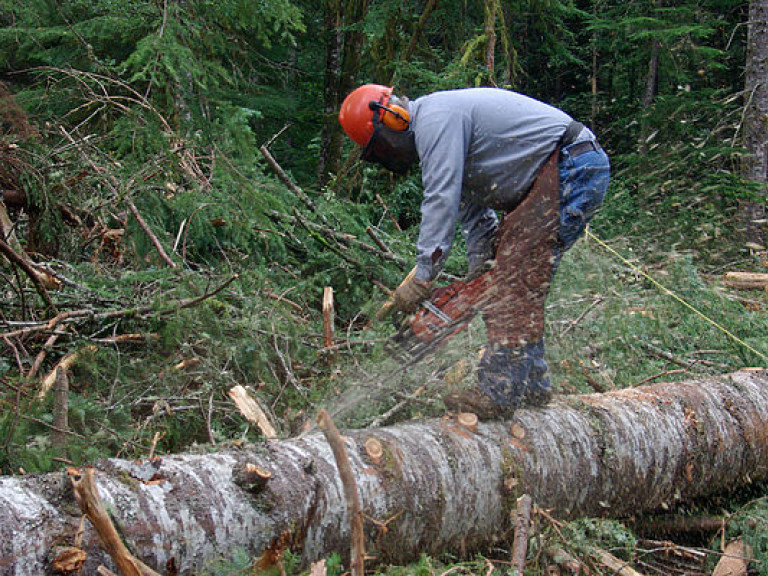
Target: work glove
(410,294)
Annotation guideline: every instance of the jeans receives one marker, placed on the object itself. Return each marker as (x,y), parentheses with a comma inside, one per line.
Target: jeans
(518,374)
(583,184)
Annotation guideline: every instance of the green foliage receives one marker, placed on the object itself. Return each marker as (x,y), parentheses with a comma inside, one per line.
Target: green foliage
(587,533)
(166,105)
(751,524)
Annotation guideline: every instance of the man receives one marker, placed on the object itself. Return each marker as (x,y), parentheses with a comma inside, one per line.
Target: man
(482,150)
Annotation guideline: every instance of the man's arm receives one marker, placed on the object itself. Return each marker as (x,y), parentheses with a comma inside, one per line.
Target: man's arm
(442,140)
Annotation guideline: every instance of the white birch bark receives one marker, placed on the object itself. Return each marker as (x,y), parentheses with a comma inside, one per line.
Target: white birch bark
(440,486)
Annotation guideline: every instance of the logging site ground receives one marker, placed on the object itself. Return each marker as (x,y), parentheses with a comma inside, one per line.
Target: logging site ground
(193,255)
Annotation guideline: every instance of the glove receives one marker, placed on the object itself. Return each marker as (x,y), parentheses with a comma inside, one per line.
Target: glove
(410,294)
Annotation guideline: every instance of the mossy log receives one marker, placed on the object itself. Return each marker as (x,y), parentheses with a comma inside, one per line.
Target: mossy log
(433,486)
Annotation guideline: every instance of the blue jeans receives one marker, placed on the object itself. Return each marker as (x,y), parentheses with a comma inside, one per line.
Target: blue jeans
(516,375)
(583,184)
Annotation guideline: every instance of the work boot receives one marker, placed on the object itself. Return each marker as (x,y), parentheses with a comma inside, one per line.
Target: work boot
(478,403)
(515,376)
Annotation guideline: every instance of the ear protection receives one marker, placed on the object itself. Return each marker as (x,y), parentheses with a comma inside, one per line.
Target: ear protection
(394,117)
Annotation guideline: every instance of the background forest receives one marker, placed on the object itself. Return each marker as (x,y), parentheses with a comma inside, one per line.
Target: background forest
(177,194)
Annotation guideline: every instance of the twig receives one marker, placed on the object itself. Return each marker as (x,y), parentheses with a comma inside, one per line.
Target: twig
(343,237)
(72,315)
(29,270)
(113,184)
(522,526)
(357,553)
(659,375)
(285,179)
(49,344)
(88,499)
(597,301)
(383,418)
(387,212)
(378,241)
(148,231)
(60,409)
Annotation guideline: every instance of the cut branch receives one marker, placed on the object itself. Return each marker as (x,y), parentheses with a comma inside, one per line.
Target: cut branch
(87,496)
(354,511)
(522,525)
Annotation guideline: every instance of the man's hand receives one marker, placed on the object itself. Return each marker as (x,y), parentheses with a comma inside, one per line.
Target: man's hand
(410,294)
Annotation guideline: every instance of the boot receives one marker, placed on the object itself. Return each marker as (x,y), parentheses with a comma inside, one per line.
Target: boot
(515,376)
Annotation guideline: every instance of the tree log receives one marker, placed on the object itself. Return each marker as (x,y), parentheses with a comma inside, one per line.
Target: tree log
(435,487)
(746,280)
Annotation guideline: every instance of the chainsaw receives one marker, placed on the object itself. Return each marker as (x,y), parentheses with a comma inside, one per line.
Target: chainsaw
(449,310)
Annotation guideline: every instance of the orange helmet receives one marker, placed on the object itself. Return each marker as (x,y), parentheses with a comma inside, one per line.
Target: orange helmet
(362,104)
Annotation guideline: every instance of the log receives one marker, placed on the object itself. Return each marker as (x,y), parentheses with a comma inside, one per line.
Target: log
(746,280)
(435,486)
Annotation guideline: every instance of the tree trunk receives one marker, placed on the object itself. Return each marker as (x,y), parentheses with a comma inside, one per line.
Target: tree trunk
(434,485)
(331,136)
(343,52)
(755,163)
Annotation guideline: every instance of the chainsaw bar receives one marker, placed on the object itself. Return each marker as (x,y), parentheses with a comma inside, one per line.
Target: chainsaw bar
(447,313)
(406,347)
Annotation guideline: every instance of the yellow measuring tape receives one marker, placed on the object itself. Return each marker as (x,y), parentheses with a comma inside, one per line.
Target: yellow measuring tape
(666,290)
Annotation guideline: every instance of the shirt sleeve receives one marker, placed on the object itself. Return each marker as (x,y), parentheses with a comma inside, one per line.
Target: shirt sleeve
(442,141)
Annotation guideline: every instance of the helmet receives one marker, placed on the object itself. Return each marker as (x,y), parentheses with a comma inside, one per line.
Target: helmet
(362,104)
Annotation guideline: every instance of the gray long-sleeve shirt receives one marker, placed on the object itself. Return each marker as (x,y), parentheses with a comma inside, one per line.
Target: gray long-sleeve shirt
(480,149)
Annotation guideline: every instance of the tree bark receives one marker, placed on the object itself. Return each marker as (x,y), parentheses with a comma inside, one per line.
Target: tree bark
(434,485)
(755,163)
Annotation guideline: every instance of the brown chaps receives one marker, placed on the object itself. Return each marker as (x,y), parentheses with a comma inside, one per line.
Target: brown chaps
(525,260)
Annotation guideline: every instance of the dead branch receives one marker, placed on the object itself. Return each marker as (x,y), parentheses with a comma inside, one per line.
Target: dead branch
(285,179)
(73,315)
(328,316)
(746,280)
(65,363)
(378,241)
(357,554)
(33,275)
(280,298)
(342,237)
(88,499)
(114,186)
(386,211)
(617,565)
(148,231)
(251,410)
(522,523)
(47,347)
(60,409)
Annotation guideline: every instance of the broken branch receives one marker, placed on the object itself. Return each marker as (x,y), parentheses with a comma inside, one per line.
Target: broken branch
(357,561)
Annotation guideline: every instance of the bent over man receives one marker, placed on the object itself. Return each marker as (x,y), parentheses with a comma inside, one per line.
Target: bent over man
(484,150)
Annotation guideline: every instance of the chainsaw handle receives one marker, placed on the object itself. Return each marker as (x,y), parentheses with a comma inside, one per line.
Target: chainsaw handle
(389,306)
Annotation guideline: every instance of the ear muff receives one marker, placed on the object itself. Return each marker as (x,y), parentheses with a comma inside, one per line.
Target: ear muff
(396,117)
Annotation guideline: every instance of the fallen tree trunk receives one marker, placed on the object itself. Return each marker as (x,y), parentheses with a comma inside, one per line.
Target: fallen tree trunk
(746,280)
(434,485)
